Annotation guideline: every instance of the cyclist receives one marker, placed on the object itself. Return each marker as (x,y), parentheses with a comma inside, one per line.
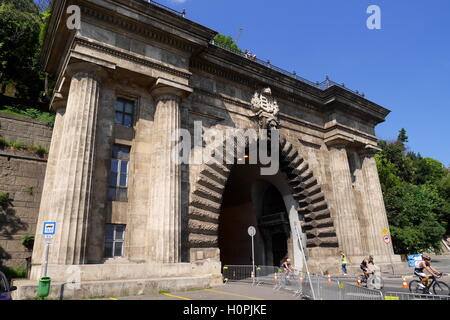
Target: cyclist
(364,266)
(287,268)
(425,265)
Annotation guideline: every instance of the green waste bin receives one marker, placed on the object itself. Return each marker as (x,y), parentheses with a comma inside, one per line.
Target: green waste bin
(44,287)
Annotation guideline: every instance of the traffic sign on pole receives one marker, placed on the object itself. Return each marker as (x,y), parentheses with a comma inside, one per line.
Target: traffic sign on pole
(251,232)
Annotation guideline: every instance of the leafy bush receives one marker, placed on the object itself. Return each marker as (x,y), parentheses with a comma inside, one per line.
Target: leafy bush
(12,273)
(5,201)
(28,241)
(3,143)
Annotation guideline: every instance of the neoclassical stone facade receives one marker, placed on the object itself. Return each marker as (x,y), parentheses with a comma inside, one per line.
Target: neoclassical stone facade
(127,80)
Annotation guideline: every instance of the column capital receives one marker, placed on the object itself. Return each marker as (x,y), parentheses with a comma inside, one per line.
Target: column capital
(94,70)
(59,101)
(338,141)
(369,150)
(164,87)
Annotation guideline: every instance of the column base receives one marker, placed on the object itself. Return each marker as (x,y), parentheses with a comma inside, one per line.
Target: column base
(27,289)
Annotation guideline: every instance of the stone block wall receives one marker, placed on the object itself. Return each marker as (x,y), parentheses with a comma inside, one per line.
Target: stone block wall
(29,131)
(22,176)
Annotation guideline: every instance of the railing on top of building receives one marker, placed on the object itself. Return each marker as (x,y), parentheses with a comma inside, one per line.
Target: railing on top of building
(327,83)
(181,14)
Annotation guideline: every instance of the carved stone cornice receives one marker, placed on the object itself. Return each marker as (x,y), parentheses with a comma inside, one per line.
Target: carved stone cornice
(129,56)
(137,28)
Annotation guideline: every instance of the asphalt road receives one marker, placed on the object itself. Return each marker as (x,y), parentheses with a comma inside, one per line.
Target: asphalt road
(229,291)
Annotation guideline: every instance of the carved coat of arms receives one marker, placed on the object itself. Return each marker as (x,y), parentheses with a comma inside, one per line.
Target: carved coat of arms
(265,109)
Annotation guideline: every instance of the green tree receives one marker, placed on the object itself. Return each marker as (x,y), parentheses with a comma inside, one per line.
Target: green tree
(227,41)
(428,170)
(402,137)
(416,193)
(20,26)
(414,219)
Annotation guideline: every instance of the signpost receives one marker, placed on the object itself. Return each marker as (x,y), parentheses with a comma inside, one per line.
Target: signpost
(48,231)
(251,232)
(387,241)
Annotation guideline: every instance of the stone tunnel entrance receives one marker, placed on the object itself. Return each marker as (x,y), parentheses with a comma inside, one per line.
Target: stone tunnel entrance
(253,200)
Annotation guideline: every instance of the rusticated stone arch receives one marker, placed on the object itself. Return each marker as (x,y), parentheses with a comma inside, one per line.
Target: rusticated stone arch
(206,200)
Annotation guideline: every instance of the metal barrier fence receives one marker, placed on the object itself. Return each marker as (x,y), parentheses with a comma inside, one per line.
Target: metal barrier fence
(238,273)
(299,283)
(413,296)
(312,286)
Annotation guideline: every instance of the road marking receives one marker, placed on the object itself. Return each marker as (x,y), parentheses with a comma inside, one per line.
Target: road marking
(173,296)
(111,298)
(233,294)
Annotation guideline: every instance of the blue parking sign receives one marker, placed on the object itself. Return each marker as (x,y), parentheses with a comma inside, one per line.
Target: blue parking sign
(49,228)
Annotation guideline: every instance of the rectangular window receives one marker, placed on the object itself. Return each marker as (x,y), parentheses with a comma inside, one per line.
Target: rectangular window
(118,177)
(124,112)
(114,238)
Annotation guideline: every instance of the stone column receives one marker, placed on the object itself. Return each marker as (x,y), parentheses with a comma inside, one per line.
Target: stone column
(364,209)
(70,199)
(374,199)
(59,106)
(347,225)
(164,219)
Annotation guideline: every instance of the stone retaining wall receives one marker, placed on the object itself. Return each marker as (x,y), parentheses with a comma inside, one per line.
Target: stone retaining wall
(28,131)
(22,176)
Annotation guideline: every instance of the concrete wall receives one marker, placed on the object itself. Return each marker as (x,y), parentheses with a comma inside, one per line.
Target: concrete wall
(22,176)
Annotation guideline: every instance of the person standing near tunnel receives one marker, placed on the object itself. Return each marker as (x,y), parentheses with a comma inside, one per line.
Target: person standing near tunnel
(344,263)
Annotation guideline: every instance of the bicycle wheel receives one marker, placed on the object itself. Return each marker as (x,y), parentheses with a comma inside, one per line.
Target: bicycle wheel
(441,289)
(414,287)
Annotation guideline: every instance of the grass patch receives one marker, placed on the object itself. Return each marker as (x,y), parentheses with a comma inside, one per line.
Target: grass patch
(30,113)
(196,289)
(18,145)
(164,291)
(39,150)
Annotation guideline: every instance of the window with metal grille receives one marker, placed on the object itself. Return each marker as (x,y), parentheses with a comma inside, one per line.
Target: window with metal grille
(124,112)
(114,238)
(118,178)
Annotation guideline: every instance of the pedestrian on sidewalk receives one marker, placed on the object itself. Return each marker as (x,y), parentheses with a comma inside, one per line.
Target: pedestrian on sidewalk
(344,263)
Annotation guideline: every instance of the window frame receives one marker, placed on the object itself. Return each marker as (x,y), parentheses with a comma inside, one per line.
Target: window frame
(118,188)
(114,240)
(125,99)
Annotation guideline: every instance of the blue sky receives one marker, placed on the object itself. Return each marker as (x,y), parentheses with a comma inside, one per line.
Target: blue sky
(404,67)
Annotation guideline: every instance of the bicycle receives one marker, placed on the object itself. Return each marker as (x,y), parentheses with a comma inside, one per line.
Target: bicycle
(372,281)
(439,288)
